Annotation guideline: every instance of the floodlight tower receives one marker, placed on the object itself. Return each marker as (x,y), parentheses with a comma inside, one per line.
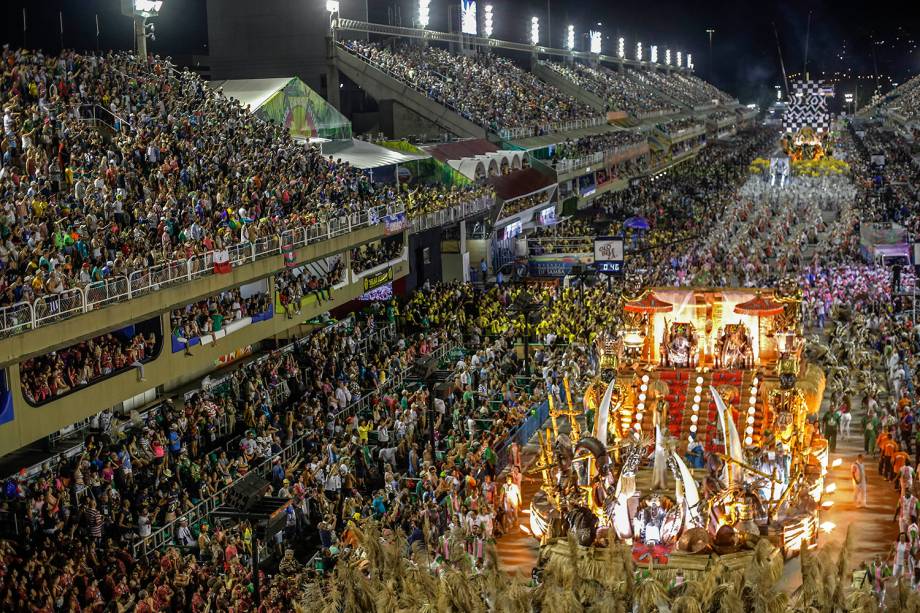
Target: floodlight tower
(140,11)
(487,20)
(535,31)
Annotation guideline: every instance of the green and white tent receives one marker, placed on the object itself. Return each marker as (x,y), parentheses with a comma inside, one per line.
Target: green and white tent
(289,102)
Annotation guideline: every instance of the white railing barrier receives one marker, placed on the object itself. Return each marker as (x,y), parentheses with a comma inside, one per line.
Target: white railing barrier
(101,293)
(58,306)
(17,318)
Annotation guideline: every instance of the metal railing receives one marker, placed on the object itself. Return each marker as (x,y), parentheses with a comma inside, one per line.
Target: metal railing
(452,214)
(606,157)
(550,128)
(46,309)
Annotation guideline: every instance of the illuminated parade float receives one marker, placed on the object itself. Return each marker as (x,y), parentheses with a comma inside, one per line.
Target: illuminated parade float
(697,386)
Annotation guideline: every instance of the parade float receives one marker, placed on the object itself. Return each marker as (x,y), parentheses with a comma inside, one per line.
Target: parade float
(699,436)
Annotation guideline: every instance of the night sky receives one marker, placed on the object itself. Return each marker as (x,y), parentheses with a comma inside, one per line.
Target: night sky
(847,38)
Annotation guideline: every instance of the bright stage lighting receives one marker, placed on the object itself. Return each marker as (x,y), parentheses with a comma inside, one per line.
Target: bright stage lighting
(690,61)
(148,7)
(487,20)
(680,59)
(423,12)
(655,59)
(667,57)
(468,20)
(332,6)
(595,37)
(621,48)
(570,38)
(535,30)
(639,51)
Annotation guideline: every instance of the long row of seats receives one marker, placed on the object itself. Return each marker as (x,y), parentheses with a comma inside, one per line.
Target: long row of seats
(621,91)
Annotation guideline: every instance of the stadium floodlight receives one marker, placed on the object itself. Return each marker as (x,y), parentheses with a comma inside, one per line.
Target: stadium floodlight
(654,52)
(148,8)
(639,52)
(667,57)
(690,61)
(468,21)
(423,12)
(535,30)
(680,59)
(140,11)
(332,6)
(487,20)
(570,38)
(621,48)
(595,37)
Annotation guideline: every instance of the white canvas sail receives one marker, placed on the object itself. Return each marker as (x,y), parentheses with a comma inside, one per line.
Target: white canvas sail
(730,435)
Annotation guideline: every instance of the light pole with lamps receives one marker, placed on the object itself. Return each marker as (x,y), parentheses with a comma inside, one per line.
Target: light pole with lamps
(140,11)
(710,31)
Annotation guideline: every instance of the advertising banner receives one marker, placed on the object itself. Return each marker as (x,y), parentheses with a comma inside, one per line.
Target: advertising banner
(377,279)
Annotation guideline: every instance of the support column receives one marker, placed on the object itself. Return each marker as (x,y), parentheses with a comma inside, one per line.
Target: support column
(332,75)
(140,35)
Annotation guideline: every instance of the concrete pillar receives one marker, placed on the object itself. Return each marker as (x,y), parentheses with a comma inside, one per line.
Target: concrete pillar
(332,75)
(140,36)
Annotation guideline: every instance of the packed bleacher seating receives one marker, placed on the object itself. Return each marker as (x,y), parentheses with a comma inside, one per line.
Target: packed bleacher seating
(486,89)
(903,101)
(617,89)
(889,192)
(47,377)
(187,171)
(425,199)
(702,91)
(132,480)
(569,235)
(722,115)
(679,90)
(573,149)
(677,125)
(525,202)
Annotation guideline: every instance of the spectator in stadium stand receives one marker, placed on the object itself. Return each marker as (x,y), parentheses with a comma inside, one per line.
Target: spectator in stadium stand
(174,182)
(486,89)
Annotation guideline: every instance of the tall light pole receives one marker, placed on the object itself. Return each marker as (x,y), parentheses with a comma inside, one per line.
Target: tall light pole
(710,31)
(140,11)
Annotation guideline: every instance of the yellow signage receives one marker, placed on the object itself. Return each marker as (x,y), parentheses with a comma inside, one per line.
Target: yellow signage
(376,280)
